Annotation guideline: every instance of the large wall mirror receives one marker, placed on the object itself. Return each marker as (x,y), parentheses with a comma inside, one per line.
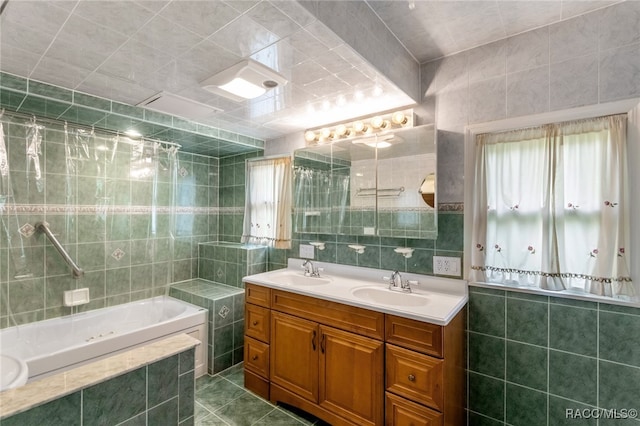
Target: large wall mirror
(380,185)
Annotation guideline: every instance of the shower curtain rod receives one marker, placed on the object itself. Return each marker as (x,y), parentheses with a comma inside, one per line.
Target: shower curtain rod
(21,115)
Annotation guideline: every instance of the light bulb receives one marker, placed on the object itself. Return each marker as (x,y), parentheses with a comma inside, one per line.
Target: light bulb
(310,136)
(378,122)
(398,117)
(342,131)
(359,126)
(325,133)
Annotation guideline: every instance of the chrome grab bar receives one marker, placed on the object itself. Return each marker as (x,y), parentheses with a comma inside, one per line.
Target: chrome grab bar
(76,271)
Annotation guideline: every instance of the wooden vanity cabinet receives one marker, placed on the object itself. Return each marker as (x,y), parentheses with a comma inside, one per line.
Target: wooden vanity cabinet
(425,379)
(257,336)
(332,361)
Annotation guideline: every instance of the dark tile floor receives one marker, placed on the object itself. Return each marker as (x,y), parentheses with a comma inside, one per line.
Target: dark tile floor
(223,400)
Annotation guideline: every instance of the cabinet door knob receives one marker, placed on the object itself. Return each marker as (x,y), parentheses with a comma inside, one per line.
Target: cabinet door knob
(255,322)
(255,357)
(412,378)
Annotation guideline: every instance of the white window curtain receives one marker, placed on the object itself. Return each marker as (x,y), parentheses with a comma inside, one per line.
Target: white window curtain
(551,208)
(267,213)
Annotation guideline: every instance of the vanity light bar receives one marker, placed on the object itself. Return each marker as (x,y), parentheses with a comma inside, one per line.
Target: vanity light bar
(367,126)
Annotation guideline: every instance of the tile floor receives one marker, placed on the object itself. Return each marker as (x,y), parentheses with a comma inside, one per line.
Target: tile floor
(223,400)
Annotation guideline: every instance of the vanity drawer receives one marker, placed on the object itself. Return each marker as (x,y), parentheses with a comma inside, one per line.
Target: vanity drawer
(419,336)
(344,317)
(257,295)
(415,376)
(257,322)
(256,357)
(402,412)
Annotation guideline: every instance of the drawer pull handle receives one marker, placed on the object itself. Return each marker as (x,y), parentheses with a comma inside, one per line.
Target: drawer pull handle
(255,357)
(313,340)
(412,378)
(255,323)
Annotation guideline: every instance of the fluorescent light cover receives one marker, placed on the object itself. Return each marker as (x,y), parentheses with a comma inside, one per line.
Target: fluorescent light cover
(243,88)
(245,80)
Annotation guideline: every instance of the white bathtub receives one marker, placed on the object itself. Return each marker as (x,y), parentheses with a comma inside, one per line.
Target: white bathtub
(58,344)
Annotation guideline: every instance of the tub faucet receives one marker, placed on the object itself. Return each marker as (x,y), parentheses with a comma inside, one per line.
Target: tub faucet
(309,269)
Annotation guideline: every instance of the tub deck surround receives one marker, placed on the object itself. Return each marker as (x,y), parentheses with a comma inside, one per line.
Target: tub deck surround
(51,346)
(337,283)
(39,392)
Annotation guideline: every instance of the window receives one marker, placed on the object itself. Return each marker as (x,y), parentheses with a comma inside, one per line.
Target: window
(267,214)
(551,208)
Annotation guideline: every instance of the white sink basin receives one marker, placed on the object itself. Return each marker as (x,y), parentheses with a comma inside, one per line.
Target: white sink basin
(13,372)
(291,278)
(385,296)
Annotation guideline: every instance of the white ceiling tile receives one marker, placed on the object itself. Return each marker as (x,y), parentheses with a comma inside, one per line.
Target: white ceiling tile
(125,17)
(202,17)
(519,16)
(272,19)
(59,72)
(308,72)
(243,37)
(84,56)
(295,11)
(37,15)
(17,35)
(280,56)
(109,40)
(166,36)
(574,8)
(134,61)
(211,57)
(153,5)
(117,89)
(17,61)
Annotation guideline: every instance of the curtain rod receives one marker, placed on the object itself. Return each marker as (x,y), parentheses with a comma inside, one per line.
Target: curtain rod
(21,115)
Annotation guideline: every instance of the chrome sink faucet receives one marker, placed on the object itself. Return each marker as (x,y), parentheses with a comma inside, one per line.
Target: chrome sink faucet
(396,283)
(309,269)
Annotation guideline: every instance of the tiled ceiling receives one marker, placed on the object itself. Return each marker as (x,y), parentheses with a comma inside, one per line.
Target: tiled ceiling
(128,51)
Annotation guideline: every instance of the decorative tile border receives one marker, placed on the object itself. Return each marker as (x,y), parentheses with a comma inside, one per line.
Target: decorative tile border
(60,209)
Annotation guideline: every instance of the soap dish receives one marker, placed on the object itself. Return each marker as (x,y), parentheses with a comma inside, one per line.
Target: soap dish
(317,244)
(405,251)
(357,247)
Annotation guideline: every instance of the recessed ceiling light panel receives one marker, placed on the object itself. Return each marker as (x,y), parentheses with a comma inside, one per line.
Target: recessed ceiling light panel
(245,80)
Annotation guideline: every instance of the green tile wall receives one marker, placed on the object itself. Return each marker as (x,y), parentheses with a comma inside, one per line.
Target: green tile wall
(226,319)
(531,358)
(162,393)
(227,263)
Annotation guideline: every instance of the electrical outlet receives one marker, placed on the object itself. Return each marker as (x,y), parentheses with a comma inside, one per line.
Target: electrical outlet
(443,265)
(306,251)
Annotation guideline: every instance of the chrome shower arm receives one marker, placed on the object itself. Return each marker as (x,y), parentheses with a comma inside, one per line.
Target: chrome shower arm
(43,227)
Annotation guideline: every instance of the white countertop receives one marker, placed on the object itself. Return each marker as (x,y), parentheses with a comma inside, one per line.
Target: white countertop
(434,299)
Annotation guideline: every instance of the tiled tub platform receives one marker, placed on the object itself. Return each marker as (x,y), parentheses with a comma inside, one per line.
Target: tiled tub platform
(226,319)
(151,384)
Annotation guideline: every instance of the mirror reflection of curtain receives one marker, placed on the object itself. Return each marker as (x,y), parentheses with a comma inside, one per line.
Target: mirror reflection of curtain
(321,199)
(340,202)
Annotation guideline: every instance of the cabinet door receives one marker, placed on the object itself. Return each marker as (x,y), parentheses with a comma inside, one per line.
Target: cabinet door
(351,376)
(294,354)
